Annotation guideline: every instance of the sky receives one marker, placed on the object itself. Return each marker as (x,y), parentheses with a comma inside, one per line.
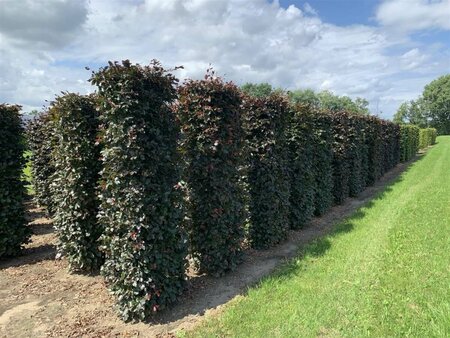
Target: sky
(383,50)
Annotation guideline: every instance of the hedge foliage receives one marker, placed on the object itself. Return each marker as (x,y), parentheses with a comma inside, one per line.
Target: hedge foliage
(76,160)
(409,141)
(209,111)
(41,140)
(13,230)
(301,141)
(140,210)
(322,141)
(265,123)
(427,137)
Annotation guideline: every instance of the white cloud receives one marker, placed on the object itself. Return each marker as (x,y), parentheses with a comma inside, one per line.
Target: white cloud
(414,15)
(253,40)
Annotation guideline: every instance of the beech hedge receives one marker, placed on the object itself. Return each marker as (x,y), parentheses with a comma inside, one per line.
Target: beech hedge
(141,209)
(322,127)
(76,160)
(302,136)
(427,137)
(210,114)
(14,232)
(265,124)
(41,140)
(409,141)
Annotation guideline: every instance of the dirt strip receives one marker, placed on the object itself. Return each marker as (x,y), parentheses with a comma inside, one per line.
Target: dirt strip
(39,298)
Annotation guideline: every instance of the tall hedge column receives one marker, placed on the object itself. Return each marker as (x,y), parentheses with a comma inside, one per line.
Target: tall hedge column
(13,230)
(41,140)
(140,201)
(76,158)
(210,114)
(268,174)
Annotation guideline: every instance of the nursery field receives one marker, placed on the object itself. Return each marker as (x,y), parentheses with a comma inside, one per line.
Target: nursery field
(383,272)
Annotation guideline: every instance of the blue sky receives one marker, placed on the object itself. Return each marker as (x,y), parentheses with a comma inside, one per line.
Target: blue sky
(383,50)
(341,12)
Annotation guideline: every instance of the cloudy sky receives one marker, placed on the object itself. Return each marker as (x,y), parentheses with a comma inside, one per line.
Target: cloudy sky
(385,51)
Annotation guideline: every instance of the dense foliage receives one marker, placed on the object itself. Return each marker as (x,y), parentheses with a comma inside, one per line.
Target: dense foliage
(140,210)
(76,159)
(322,161)
(431,109)
(302,136)
(409,141)
(342,151)
(13,230)
(427,137)
(212,144)
(268,181)
(41,140)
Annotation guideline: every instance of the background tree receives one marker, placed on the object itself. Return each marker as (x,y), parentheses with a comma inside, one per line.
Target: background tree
(436,97)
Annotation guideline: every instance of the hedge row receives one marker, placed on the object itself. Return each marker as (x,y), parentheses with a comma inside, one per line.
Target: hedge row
(212,144)
(41,140)
(409,141)
(265,123)
(242,164)
(13,230)
(427,137)
(334,155)
(75,159)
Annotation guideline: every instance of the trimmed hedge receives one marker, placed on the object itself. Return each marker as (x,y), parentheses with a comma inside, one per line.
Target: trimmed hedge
(342,152)
(141,211)
(265,125)
(358,154)
(76,159)
(209,111)
(13,230)
(322,161)
(41,140)
(301,140)
(409,141)
(427,137)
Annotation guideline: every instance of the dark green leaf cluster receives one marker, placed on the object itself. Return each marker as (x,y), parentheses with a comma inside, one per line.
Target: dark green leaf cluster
(265,124)
(409,141)
(141,211)
(41,140)
(342,151)
(76,161)
(303,135)
(13,230)
(427,137)
(212,144)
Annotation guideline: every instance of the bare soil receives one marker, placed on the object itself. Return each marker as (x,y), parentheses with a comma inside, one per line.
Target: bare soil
(39,298)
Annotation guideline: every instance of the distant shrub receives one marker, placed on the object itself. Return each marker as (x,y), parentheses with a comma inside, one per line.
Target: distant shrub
(427,137)
(209,111)
(268,175)
(13,230)
(41,139)
(141,211)
(409,141)
(76,160)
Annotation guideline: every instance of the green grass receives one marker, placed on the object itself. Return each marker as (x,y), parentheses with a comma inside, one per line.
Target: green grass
(384,272)
(27,173)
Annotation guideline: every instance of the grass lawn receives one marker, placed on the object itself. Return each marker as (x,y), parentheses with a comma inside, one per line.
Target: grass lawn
(27,173)
(384,272)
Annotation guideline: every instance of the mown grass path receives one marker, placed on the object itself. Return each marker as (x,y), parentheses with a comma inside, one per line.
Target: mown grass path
(384,272)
